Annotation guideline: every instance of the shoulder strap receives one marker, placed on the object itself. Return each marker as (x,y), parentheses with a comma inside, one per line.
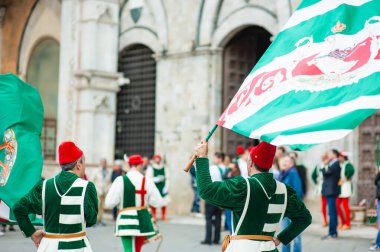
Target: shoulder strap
(43,198)
(258,181)
(245,208)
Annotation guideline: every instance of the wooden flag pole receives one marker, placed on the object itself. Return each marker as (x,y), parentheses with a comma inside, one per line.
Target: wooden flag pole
(192,160)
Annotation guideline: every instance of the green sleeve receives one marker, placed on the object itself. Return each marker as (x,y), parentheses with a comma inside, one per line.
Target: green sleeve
(299,215)
(349,171)
(90,205)
(229,194)
(314,175)
(30,203)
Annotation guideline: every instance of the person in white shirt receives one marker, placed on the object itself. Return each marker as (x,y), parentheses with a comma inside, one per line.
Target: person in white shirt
(214,213)
(241,160)
(102,181)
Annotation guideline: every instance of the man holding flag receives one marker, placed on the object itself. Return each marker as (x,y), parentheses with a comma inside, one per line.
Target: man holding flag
(259,202)
(67,202)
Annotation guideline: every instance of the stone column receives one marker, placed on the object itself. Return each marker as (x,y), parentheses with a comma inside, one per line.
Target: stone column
(88,76)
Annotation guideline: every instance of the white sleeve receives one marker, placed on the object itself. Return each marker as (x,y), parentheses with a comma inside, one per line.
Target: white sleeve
(115,193)
(167,175)
(154,196)
(149,172)
(215,173)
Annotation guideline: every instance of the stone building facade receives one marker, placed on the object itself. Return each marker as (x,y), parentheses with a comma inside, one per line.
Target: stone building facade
(147,76)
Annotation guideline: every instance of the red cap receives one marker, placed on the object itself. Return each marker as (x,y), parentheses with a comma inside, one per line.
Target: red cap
(263,155)
(68,152)
(135,160)
(250,148)
(344,153)
(240,150)
(157,156)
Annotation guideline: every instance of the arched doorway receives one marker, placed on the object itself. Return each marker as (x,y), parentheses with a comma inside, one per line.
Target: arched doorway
(43,73)
(135,119)
(240,54)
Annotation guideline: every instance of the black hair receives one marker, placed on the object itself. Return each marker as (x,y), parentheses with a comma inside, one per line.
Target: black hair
(70,166)
(220,155)
(259,168)
(335,152)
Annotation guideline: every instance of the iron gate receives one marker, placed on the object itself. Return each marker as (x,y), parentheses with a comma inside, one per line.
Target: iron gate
(135,119)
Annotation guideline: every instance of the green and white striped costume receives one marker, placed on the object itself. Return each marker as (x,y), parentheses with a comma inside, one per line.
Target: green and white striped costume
(64,214)
(133,222)
(258,204)
(274,214)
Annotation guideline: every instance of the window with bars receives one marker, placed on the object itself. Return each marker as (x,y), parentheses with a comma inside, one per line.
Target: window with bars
(135,119)
(48,138)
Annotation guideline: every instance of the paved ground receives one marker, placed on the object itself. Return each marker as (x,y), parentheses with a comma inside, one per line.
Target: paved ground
(184,234)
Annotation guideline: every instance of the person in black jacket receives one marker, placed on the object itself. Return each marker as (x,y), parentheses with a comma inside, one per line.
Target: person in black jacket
(331,190)
(376,247)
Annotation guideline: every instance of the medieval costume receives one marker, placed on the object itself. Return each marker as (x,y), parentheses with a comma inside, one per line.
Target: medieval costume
(68,205)
(160,175)
(259,203)
(346,191)
(133,193)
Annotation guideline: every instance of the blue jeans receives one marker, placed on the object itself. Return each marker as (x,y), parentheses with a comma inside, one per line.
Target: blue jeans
(195,208)
(378,222)
(297,241)
(228,224)
(331,205)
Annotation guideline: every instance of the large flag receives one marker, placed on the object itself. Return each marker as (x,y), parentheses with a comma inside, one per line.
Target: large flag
(318,80)
(21,117)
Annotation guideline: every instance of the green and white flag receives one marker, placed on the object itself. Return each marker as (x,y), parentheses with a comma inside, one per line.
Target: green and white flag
(21,118)
(318,80)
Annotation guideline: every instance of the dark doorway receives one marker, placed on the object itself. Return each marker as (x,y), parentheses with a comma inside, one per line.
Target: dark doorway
(135,119)
(240,55)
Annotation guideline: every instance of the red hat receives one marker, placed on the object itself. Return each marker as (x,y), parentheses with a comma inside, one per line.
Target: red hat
(240,150)
(263,155)
(157,156)
(135,160)
(68,152)
(344,153)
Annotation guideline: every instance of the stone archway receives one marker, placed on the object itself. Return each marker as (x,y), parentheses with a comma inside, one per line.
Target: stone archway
(43,72)
(240,54)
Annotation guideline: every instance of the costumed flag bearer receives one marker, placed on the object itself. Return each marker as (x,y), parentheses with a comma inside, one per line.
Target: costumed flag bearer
(346,190)
(133,193)
(68,204)
(160,175)
(258,203)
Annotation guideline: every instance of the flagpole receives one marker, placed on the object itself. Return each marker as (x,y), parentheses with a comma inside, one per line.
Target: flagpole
(192,160)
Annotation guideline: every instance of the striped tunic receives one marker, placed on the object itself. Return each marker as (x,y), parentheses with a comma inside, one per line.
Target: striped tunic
(260,202)
(64,214)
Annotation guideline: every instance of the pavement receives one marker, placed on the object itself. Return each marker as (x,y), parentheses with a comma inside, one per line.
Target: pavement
(184,233)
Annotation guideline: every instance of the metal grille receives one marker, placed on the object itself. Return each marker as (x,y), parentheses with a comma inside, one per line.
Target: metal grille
(135,121)
(240,55)
(49,138)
